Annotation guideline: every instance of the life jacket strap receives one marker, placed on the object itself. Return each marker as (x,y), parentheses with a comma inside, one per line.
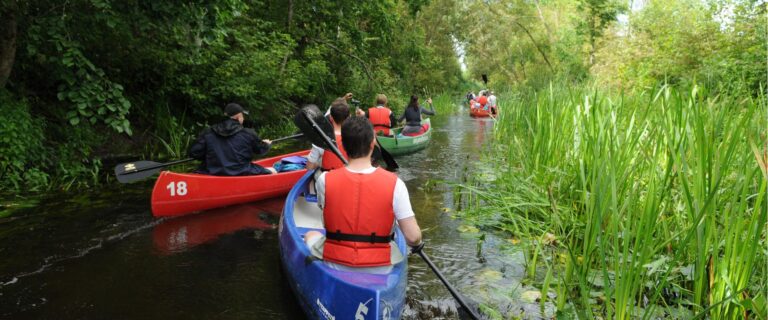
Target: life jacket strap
(372,238)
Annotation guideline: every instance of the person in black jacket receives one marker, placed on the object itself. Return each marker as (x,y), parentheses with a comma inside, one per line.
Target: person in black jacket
(226,148)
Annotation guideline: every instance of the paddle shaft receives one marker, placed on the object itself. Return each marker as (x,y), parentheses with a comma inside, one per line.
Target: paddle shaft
(325,138)
(159,165)
(162,165)
(288,137)
(453,291)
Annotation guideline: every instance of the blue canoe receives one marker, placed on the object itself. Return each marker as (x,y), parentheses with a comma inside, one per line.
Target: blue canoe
(326,293)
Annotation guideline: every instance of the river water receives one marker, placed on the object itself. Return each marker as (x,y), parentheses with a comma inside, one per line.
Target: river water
(100,254)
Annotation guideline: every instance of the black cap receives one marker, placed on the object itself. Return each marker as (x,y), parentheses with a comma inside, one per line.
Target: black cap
(233,109)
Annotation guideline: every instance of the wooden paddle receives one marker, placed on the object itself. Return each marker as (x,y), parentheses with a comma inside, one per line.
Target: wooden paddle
(135,171)
(420,251)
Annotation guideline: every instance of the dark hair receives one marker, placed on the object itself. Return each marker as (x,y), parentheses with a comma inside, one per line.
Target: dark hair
(414,102)
(356,137)
(339,110)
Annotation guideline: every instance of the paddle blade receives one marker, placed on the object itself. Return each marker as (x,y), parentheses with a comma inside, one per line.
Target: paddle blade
(389,160)
(135,171)
(312,112)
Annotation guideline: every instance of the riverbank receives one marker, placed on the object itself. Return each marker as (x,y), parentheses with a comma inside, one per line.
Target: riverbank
(650,203)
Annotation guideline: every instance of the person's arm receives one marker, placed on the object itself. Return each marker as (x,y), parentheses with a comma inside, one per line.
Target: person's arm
(197,150)
(401,118)
(392,120)
(411,230)
(314,157)
(406,219)
(260,147)
(430,112)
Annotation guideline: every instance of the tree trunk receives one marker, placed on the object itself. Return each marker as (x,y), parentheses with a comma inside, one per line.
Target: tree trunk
(288,27)
(8,29)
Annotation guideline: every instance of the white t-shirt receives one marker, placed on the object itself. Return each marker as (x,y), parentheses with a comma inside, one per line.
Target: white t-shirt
(316,155)
(401,202)
(492,100)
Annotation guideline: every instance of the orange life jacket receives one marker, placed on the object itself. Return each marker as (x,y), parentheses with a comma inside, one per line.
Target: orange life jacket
(482,100)
(359,217)
(379,117)
(330,160)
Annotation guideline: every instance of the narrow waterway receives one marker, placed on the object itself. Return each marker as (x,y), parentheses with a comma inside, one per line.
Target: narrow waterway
(101,254)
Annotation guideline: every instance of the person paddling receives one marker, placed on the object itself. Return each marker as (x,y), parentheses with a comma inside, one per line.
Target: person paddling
(227,148)
(412,116)
(382,118)
(359,233)
(318,158)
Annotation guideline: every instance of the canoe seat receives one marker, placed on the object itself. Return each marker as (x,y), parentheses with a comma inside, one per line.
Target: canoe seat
(307,214)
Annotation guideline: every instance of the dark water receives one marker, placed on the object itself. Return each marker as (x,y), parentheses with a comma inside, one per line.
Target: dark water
(101,255)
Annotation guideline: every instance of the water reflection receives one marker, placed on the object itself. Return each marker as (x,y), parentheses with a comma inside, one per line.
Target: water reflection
(180,234)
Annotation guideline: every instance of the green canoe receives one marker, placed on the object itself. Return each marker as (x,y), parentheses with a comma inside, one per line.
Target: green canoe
(398,144)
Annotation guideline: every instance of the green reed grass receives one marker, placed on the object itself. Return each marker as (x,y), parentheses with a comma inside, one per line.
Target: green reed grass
(445,103)
(656,198)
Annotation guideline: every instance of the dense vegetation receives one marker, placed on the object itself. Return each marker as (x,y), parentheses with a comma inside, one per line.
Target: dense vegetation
(90,80)
(630,155)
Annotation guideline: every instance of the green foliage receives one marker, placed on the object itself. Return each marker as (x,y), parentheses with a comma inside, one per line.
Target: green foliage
(684,42)
(21,145)
(660,193)
(94,65)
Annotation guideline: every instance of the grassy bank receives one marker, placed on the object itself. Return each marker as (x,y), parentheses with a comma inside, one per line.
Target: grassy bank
(647,204)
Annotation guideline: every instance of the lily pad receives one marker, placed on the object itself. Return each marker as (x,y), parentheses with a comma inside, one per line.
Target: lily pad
(468,229)
(530,296)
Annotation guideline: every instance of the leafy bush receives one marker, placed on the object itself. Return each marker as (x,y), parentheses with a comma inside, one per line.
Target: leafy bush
(21,144)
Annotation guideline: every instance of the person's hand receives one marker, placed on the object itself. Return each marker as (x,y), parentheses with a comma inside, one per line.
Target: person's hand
(417,248)
(359,112)
(267,141)
(348,96)
(429,100)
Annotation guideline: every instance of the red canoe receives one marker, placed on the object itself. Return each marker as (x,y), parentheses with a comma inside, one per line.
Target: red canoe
(479,112)
(181,193)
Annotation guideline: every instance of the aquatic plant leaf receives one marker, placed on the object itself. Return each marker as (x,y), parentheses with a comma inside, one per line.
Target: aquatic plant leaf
(530,296)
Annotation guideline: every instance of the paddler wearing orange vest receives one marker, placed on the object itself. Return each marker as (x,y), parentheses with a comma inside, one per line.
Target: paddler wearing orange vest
(381,116)
(361,204)
(318,158)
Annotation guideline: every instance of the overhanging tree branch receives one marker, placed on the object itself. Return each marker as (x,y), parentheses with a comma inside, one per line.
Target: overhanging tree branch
(530,36)
(361,61)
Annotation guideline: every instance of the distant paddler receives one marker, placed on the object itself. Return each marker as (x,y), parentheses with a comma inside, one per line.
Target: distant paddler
(412,116)
(327,161)
(382,118)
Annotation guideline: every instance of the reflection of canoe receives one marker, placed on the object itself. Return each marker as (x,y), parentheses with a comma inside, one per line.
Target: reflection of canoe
(326,293)
(399,144)
(181,193)
(182,233)
(479,112)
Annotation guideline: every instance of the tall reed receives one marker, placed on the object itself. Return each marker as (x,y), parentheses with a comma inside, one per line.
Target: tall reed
(657,197)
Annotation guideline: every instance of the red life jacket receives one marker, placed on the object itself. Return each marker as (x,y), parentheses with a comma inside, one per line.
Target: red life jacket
(379,117)
(359,217)
(330,160)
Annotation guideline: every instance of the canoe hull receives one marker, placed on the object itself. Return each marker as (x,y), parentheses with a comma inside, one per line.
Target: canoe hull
(406,145)
(326,293)
(479,113)
(177,194)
